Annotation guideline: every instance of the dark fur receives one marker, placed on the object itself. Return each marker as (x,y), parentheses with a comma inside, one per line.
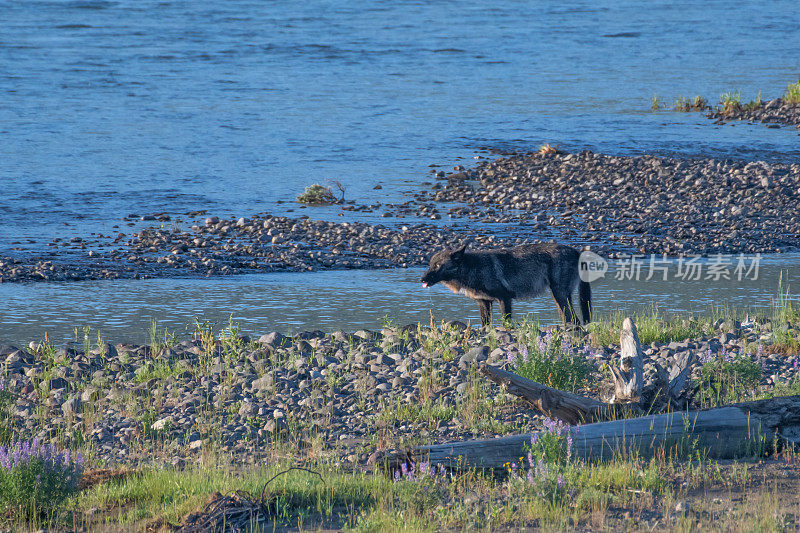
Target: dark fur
(521,272)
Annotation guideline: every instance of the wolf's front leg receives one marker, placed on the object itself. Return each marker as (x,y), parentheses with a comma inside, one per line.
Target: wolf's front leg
(485,307)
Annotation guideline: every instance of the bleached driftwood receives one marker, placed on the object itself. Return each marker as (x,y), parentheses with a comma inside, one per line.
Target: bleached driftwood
(629,377)
(739,430)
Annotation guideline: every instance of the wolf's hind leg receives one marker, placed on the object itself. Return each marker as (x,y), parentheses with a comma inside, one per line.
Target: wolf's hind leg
(485,307)
(505,308)
(564,304)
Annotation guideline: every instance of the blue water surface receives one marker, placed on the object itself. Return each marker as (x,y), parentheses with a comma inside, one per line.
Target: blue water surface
(109,108)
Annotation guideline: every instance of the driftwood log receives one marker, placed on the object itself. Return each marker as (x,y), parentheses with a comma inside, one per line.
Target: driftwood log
(554,403)
(629,397)
(739,430)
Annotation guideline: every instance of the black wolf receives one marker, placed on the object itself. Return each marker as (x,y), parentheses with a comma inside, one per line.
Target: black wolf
(521,272)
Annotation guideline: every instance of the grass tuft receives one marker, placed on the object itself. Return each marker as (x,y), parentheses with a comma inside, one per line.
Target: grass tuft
(698,103)
(730,102)
(548,149)
(792,94)
(655,104)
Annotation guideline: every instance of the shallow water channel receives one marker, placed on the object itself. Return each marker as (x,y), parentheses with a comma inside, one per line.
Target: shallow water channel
(122,310)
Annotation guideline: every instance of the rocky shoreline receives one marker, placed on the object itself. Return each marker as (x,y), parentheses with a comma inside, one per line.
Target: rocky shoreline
(774,113)
(616,204)
(640,204)
(352,393)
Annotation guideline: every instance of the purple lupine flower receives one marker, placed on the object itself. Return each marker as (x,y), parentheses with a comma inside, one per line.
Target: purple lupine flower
(760,350)
(534,439)
(512,358)
(560,481)
(531,478)
(727,356)
(569,446)
(524,352)
(404,469)
(396,476)
(542,346)
(542,469)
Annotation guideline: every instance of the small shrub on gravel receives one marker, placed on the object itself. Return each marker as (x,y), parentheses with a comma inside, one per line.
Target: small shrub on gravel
(548,149)
(552,362)
(317,194)
(35,478)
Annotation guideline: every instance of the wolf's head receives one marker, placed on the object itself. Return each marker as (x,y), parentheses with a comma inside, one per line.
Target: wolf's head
(444,266)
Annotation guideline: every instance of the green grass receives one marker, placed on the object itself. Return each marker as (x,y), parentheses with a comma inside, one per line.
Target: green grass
(792,94)
(655,104)
(730,101)
(726,380)
(158,370)
(293,497)
(698,103)
(369,501)
(651,325)
(159,341)
(785,320)
(754,104)
(552,362)
(428,412)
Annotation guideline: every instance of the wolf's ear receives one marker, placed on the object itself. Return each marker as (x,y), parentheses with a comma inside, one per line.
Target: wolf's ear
(458,253)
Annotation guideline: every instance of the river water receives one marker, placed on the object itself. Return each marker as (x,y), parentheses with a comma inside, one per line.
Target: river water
(109,108)
(294,302)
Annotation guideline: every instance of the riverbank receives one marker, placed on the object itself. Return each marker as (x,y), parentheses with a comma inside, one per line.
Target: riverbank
(337,399)
(617,205)
(234,393)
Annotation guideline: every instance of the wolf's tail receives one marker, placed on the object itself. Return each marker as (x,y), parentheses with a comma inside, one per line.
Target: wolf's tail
(585,297)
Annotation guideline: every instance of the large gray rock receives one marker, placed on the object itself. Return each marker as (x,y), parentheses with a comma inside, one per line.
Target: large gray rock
(263,383)
(71,407)
(476,355)
(273,339)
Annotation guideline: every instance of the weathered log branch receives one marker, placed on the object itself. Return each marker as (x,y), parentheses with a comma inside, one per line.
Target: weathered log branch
(740,430)
(554,403)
